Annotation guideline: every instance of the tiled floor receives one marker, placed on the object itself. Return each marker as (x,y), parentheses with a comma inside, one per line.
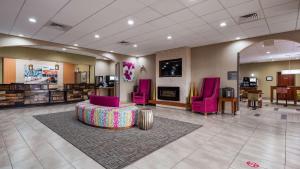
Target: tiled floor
(224,141)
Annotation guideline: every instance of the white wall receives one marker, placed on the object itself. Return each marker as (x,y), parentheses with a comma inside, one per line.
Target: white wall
(182,82)
(20,63)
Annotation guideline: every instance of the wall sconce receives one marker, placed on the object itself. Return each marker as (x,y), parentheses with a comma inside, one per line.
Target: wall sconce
(30,67)
(142,68)
(56,67)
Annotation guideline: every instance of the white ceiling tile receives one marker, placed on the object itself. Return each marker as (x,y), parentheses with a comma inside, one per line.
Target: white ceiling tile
(229,22)
(283,18)
(162,22)
(47,33)
(41,10)
(250,25)
(245,8)
(194,23)
(147,14)
(216,16)
(206,7)
(191,2)
(271,3)
(183,15)
(77,10)
(8,12)
(282,26)
(282,9)
(129,6)
(257,31)
(167,6)
(101,19)
(230,3)
(149,2)
(202,29)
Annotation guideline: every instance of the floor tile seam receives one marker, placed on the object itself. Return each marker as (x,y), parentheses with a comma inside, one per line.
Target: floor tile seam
(286,125)
(69,162)
(237,154)
(184,158)
(31,149)
(5,147)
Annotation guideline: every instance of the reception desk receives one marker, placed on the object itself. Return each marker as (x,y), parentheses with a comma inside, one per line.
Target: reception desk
(105,91)
(292,93)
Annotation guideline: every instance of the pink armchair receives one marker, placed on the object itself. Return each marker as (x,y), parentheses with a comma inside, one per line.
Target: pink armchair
(207,102)
(142,95)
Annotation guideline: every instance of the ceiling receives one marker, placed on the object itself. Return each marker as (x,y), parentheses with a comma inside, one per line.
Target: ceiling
(271,50)
(190,22)
(69,50)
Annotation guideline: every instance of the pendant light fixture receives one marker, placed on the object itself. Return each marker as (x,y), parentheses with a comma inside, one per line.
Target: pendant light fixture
(290,71)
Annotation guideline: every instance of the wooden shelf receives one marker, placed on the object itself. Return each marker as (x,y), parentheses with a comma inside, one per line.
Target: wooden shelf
(169,103)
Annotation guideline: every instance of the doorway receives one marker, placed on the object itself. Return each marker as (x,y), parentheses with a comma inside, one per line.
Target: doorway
(264,67)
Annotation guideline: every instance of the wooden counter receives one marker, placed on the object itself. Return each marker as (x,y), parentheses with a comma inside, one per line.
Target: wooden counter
(294,90)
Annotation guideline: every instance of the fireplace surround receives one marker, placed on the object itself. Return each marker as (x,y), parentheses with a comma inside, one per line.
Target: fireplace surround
(168,93)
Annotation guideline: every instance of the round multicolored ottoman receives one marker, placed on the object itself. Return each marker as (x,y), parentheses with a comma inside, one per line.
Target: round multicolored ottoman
(124,116)
(145,119)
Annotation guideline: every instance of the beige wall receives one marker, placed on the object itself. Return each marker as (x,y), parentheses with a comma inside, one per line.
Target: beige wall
(261,70)
(45,55)
(182,82)
(87,68)
(218,59)
(104,67)
(1,70)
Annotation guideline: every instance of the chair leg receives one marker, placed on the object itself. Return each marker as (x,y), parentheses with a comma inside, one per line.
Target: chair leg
(205,114)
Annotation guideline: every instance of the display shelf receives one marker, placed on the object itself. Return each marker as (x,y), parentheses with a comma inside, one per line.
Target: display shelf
(19,94)
(11,98)
(57,96)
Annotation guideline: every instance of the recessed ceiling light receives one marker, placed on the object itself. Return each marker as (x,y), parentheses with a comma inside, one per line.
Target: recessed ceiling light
(238,38)
(169,37)
(135,45)
(21,35)
(64,49)
(32,20)
(75,44)
(268,52)
(130,22)
(223,24)
(111,51)
(97,36)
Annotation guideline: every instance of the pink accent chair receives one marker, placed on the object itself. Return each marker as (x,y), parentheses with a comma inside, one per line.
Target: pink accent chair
(143,93)
(207,102)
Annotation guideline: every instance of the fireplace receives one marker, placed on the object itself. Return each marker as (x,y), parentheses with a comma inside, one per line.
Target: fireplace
(168,93)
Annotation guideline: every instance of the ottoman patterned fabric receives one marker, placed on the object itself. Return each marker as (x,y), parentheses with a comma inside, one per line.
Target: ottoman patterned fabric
(107,117)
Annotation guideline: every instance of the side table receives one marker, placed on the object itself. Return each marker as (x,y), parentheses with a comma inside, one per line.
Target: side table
(145,119)
(233,102)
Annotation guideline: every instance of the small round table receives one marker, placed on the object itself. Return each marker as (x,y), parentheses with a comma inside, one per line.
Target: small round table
(145,119)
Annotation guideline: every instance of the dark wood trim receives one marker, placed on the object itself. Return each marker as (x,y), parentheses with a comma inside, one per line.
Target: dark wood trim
(169,103)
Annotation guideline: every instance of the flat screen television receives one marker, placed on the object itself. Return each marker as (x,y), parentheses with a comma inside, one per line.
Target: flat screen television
(252,79)
(170,68)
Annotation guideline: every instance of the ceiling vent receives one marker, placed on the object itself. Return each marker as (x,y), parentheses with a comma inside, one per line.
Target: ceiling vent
(58,26)
(249,18)
(125,43)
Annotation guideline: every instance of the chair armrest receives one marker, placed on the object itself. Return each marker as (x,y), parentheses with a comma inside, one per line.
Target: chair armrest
(195,98)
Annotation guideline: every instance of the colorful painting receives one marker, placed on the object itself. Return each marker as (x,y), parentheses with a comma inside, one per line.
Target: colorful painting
(128,71)
(40,74)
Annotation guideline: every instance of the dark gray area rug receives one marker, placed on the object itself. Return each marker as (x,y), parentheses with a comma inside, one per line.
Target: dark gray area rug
(115,149)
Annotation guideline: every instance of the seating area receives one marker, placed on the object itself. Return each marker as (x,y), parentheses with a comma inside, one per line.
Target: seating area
(149,84)
(106,112)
